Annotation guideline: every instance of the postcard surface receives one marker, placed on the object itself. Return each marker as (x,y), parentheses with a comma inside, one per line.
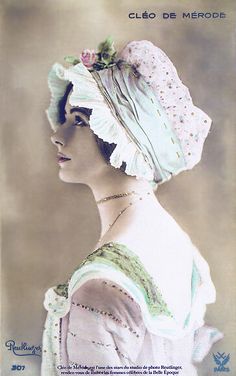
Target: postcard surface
(51,223)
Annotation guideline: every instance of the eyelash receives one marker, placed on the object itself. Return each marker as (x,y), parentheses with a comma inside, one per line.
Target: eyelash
(80,122)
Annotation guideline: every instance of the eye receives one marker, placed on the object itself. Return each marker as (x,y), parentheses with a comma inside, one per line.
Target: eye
(80,122)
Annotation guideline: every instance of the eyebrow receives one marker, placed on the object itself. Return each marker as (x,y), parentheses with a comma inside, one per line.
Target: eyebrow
(83,110)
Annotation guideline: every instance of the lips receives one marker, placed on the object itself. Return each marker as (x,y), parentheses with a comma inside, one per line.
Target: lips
(61,158)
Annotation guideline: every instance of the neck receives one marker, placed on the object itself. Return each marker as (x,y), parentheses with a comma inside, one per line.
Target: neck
(115,183)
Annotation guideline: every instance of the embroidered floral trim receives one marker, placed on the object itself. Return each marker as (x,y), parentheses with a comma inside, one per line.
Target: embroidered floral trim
(127,262)
(119,257)
(107,314)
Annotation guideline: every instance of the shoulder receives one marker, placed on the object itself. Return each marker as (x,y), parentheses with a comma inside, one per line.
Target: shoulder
(103,315)
(112,274)
(107,299)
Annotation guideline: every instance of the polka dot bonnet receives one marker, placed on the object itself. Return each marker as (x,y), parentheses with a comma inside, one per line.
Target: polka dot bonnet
(139,103)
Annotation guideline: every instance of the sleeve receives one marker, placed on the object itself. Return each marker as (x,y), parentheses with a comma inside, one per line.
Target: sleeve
(104,326)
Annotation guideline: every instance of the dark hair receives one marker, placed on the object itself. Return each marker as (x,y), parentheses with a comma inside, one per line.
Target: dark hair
(105,148)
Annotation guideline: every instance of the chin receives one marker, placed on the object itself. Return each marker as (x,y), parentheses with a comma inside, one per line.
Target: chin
(68,177)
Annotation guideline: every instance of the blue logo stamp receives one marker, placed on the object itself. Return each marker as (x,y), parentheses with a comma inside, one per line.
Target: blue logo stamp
(221,360)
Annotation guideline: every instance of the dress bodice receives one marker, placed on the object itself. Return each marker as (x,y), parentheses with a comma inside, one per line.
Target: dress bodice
(113,311)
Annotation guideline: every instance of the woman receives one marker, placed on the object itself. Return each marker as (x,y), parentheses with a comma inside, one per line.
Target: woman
(121,123)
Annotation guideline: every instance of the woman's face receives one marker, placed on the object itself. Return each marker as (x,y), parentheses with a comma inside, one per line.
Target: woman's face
(78,156)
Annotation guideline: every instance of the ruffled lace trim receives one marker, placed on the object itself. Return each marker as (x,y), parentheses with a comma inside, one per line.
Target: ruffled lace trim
(85,92)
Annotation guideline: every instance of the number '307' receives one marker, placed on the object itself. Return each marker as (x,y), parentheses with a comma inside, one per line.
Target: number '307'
(17,367)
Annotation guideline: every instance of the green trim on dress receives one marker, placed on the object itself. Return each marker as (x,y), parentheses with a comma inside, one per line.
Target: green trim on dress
(196,281)
(122,259)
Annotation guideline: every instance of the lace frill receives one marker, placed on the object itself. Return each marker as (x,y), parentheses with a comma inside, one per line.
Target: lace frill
(85,93)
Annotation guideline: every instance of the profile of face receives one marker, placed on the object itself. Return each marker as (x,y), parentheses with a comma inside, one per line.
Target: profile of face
(79,157)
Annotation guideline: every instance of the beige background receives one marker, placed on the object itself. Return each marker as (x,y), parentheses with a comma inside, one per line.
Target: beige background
(49,226)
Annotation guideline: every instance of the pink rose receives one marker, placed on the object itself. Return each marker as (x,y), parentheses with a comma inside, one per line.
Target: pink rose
(88,58)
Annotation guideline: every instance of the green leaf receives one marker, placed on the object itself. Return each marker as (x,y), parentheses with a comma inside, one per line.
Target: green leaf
(72,60)
(107,46)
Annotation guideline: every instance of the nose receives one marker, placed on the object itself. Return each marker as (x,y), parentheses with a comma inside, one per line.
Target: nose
(57,138)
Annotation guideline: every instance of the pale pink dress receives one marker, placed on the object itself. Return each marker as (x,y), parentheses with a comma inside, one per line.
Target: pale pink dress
(115,313)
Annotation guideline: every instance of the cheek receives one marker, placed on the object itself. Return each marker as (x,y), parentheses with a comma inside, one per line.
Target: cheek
(86,155)
(89,150)
(84,159)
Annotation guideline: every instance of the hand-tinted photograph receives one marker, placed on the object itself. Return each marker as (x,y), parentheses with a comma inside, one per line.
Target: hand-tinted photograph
(118,188)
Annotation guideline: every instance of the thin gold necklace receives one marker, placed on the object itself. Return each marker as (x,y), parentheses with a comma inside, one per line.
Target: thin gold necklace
(118,195)
(123,210)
